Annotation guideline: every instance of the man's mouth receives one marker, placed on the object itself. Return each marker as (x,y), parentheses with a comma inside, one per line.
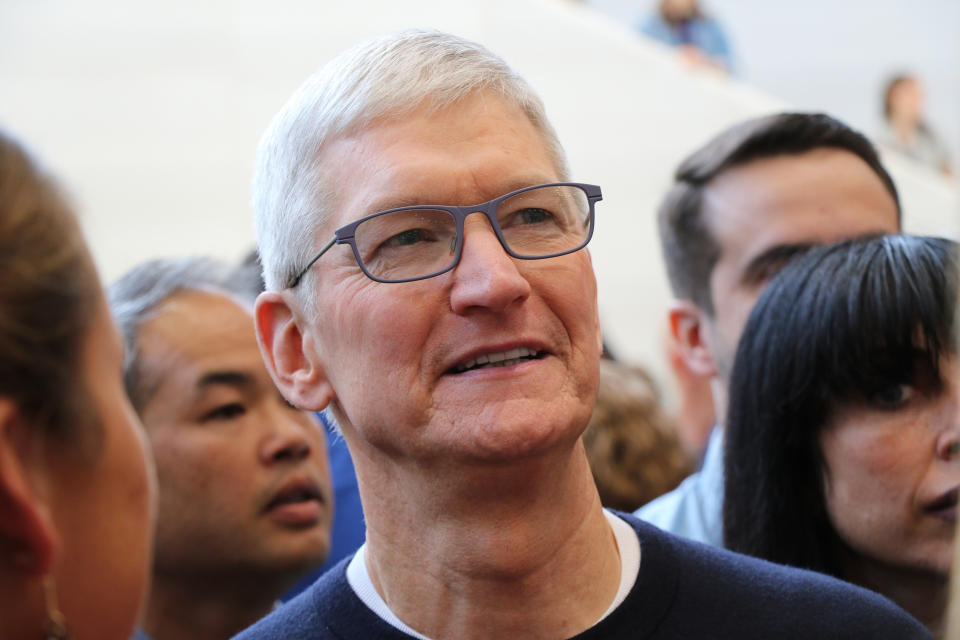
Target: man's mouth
(299,503)
(295,495)
(498,359)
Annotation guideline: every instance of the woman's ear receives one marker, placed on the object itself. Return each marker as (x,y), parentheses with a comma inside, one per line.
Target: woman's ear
(286,351)
(28,538)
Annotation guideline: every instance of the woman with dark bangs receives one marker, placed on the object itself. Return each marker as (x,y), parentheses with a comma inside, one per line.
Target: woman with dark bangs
(843,433)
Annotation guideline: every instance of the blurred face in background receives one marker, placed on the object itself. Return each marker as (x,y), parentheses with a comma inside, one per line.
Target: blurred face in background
(760,212)
(893,470)
(243,475)
(678,9)
(906,101)
(103,499)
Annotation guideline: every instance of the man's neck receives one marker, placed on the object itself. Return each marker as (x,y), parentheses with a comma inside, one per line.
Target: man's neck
(185,608)
(493,552)
(719,390)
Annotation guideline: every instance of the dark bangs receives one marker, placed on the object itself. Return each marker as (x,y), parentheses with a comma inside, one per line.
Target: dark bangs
(880,314)
(840,324)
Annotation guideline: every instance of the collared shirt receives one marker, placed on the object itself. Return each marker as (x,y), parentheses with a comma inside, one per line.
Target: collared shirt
(694,510)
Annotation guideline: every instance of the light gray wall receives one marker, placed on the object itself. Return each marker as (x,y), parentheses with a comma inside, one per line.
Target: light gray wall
(836,55)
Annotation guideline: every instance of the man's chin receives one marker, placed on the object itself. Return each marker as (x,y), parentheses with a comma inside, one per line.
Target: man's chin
(517,437)
(295,558)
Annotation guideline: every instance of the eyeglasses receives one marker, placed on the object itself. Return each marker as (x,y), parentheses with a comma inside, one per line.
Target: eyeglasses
(422,241)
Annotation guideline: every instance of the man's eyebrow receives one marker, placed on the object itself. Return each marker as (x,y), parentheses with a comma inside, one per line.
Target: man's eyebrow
(228,378)
(769,263)
(395,202)
(414,199)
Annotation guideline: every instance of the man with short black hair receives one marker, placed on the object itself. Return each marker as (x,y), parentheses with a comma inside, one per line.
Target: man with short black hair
(740,208)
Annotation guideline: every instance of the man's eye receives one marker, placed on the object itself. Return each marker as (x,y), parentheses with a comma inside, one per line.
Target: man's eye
(408,237)
(893,397)
(225,412)
(531,215)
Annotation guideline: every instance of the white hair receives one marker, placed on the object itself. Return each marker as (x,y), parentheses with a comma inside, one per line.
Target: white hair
(389,76)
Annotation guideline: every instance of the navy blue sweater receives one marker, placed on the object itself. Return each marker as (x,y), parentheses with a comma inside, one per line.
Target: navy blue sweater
(684,590)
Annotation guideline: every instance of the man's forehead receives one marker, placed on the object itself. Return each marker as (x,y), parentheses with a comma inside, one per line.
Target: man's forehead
(815,197)
(761,182)
(400,158)
(201,310)
(193,331)
(416,195)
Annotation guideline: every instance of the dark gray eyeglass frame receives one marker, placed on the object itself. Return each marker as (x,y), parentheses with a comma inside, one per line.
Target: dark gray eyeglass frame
(345,234)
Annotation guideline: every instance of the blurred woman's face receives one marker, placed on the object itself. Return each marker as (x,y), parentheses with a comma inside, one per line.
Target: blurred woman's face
(906,100)
(103,500)
(679,8)
(893,469)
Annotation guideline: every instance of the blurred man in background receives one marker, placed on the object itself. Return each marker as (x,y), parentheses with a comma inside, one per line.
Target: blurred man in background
(740,208)
(245,502)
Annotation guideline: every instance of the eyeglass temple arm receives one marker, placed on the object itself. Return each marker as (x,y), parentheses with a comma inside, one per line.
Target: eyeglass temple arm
(303,271)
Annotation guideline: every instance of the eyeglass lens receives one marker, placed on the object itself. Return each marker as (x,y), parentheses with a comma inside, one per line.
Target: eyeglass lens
(418,242)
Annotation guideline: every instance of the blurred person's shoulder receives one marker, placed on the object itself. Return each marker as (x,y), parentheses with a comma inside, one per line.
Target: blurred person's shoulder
(694,509)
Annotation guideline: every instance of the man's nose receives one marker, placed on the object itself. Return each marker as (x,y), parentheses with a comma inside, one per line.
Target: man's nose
(286,438)
(486,277)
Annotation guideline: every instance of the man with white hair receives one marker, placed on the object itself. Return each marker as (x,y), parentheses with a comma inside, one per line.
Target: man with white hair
(459,354)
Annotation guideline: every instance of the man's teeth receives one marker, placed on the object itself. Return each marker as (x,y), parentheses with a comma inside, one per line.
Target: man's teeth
(502,359)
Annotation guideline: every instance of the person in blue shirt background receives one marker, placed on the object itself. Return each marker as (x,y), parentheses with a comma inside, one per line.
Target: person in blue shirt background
(698,37)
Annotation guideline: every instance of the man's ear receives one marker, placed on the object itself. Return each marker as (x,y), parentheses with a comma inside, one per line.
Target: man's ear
(28,538)
(287,354)
(688,327)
